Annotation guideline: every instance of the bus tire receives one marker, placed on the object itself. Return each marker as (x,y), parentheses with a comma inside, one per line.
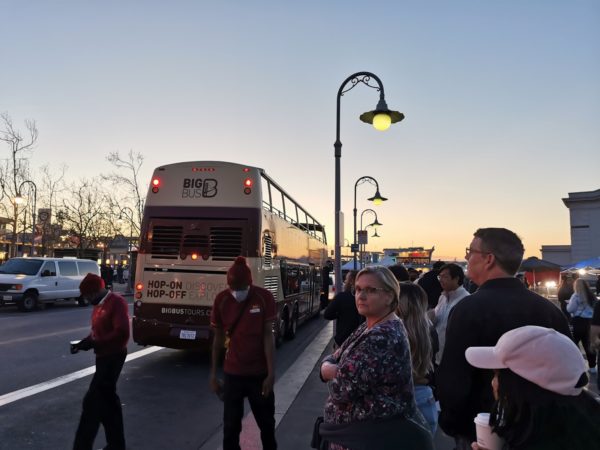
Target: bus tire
(292,325)
(28,302)
(278,331)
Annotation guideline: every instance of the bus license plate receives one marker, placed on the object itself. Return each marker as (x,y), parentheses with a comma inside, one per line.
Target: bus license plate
(187,334)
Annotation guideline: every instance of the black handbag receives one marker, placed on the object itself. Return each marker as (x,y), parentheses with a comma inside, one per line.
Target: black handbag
(317,440)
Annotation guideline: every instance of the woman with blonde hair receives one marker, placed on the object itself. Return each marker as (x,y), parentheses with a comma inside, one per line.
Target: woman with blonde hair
(581,307)
(371,400)
(412,309)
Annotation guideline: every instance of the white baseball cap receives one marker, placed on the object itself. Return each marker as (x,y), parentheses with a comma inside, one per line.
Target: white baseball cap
(541,355)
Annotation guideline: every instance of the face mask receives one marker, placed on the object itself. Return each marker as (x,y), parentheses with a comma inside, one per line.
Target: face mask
(240,296)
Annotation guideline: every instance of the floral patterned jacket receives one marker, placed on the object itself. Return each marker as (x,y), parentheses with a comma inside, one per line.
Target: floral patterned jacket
(374,378)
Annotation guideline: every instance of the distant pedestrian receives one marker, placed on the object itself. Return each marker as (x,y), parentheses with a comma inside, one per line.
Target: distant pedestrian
(325,283)
(343,309)
(540,403)
(371,397)
(430,283)
(400,272)
(451,278)
(595,337)
(423,340)
(413,275)
(501,303)
(564,293)
(242,319)
(106,272)
(581,307)
(108,338)
(120,273)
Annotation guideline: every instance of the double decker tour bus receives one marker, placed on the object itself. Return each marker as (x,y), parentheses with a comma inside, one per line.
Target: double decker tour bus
(198,217)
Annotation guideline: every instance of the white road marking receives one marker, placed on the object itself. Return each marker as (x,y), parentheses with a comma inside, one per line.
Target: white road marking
(40,336)
(64,379)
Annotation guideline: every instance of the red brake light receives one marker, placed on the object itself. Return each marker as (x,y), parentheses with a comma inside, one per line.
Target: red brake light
(155,182)
(139,286)
(248,182)
(246,169)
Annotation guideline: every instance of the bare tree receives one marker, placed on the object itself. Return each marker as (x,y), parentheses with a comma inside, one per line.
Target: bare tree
(84,215)
(127,176)
(52,185)
(15,169)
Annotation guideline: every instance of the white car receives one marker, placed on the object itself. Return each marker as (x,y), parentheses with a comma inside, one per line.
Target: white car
(33,282)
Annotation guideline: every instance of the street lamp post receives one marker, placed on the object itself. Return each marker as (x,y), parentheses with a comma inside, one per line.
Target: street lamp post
(19,200)
(381,118)
(374,224)
(376,199)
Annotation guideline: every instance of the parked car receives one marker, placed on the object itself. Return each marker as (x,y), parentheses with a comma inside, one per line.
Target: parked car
(33,282)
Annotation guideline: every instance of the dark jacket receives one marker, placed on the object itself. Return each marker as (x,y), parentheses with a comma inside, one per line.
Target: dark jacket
(431,285)
(343,308)
(480,319)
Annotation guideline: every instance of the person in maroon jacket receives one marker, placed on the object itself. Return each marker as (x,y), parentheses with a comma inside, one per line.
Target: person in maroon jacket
(243,317)
(108,338)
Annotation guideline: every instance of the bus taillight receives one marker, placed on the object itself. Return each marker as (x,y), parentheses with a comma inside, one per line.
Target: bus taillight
(139,287)
(194,256)
(248,186)
(155,184)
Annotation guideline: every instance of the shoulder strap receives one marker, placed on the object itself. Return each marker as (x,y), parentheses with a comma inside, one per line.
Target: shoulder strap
(237,319)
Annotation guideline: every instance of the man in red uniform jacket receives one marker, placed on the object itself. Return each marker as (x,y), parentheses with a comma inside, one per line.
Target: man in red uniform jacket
(243,316)
(109,337)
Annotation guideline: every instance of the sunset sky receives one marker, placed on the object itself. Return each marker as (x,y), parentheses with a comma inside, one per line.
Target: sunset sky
(502,101)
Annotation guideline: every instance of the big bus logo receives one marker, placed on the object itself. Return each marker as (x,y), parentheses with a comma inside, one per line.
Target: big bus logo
(198,187)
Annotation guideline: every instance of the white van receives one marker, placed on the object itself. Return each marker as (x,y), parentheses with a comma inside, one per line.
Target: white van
(33,282)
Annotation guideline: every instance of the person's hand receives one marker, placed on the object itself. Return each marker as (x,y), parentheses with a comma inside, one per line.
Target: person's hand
(476,446)
(86,344)
(328,371)
(267,386)
(215,384)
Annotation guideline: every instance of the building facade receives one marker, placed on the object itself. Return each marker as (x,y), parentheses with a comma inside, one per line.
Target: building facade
(584,212)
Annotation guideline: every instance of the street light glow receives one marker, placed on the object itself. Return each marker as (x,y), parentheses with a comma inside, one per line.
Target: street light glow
(382,121)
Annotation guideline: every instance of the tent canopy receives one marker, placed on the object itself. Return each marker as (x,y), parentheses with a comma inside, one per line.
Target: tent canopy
(594,263)
(350,265)
(533,264)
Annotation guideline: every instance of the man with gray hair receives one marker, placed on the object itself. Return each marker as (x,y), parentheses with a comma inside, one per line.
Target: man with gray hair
(501,304)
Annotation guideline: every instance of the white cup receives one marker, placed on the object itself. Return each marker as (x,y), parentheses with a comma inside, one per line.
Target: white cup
(485,437)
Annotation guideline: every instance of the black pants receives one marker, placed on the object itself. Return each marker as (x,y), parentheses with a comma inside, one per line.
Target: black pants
(235,390)
(102,405)
(581,333)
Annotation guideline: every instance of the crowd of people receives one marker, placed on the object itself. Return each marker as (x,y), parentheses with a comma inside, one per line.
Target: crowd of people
(491,347)
(410,355)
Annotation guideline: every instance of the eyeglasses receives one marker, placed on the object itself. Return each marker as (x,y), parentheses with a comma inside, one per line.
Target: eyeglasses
(469,251)
(443,277)
(368,290)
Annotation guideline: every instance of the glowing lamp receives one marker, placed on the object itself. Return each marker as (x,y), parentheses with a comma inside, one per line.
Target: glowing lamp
(377,199)
(139,286)
(248,182)
(382,121)
(194,256)
(381,117)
